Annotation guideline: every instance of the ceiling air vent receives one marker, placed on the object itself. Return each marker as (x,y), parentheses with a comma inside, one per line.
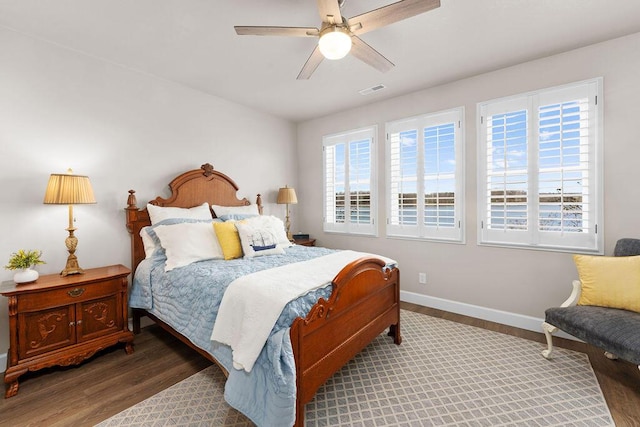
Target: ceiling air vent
(372,89)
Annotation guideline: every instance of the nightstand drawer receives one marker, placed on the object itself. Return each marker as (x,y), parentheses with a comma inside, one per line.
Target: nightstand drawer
(68,295)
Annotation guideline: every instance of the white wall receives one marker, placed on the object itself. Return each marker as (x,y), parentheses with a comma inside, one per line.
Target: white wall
(462,276)
(125,130)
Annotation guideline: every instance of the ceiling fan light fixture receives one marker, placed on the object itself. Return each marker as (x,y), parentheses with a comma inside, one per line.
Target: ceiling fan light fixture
(334,43)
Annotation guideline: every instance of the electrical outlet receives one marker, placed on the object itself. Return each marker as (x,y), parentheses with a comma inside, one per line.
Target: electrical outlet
(422,278)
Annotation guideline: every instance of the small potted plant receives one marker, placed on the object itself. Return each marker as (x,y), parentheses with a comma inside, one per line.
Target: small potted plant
(23,261)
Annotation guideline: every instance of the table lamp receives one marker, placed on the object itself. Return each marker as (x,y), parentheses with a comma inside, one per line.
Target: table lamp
(287,196)
(69,189)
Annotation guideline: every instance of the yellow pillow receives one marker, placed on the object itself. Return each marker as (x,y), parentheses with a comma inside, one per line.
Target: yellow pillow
(609,281)
(229,239)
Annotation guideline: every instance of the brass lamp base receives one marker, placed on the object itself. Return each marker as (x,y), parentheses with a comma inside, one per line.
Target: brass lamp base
(72,266)
(287,225)
(288,228)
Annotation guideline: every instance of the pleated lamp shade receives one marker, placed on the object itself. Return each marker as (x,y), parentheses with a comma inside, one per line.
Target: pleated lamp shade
(287,196)
(64,189)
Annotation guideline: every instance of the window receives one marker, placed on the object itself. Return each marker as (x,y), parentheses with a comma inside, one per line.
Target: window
(540,169)
(349,182)
(425,176)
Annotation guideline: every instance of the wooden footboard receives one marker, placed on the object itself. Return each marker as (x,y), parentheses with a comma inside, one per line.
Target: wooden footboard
(364,302)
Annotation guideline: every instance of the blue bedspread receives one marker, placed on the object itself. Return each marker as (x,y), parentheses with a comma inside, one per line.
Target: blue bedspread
(187,298)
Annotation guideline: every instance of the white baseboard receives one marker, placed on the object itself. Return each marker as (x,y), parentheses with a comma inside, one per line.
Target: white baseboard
(503,317)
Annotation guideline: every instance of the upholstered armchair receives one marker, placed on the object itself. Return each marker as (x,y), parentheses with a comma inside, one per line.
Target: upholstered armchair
(616,330)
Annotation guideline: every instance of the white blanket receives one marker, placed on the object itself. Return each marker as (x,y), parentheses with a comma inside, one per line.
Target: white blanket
(252,304)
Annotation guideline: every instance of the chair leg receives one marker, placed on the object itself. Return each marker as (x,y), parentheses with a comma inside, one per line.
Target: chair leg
(548,329)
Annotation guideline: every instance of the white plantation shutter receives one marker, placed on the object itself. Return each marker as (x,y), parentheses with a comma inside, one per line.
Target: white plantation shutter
(424,176)
(330,185)
(360,181)
(403,160)
(506,181)
(349,184)
(440,175)
(540,169)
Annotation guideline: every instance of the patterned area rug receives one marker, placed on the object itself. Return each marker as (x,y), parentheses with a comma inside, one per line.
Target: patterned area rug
(443,374)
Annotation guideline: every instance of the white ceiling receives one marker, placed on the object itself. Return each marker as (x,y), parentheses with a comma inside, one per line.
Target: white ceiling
(193,42)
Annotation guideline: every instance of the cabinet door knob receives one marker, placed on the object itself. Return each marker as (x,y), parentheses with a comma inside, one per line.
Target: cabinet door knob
(72,323)
(76,292)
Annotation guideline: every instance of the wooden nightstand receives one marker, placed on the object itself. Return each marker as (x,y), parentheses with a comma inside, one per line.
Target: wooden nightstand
(305,242)
(65,320)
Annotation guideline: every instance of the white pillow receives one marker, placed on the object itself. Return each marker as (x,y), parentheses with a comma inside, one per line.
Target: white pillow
(188,242)
(151,242)
(257,241)
(235,210)
(274,225)
(158,213)
(147,242)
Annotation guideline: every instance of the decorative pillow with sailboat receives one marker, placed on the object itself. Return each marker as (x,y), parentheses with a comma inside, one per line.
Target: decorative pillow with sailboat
(257,241)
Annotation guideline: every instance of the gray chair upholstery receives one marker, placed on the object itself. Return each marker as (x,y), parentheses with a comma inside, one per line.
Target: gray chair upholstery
(627,247)
(616,331)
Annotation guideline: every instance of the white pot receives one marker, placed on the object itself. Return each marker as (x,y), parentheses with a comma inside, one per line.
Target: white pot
(26,275)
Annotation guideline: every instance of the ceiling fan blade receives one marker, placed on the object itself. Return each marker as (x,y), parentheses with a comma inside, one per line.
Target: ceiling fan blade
(329,11)
(310,66)
(277,31)
(369,55)
(389,14)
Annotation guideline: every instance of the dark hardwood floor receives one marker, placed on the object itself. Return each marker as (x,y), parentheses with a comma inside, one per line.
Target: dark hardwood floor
(108,383)
(112,381)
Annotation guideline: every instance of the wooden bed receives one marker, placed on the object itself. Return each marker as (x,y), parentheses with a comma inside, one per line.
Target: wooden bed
(364,302)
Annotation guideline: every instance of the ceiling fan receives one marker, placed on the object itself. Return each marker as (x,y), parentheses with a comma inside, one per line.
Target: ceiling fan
(338,35)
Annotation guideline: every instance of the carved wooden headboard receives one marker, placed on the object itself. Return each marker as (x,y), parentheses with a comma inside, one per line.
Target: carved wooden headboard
(192,188)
